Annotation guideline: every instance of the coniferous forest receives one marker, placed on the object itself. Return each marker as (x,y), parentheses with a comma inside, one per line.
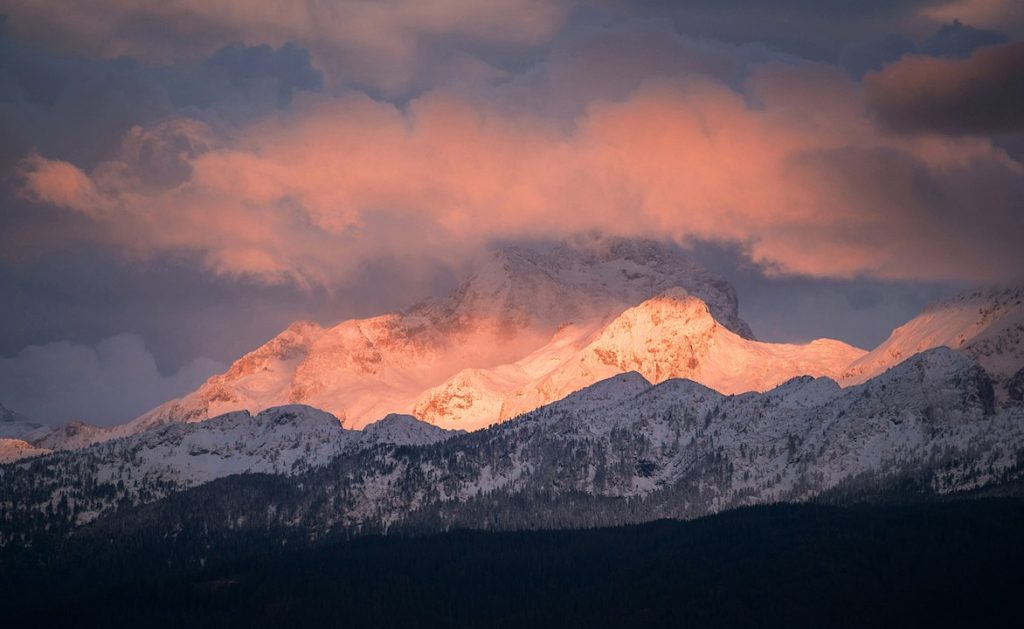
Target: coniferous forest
(954,563)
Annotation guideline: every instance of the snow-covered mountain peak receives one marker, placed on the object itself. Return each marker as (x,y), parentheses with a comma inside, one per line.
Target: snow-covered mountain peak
(673,307)
(527,305)
(988,300)
(674,334)
(938,364)
(291,413)
(613,390)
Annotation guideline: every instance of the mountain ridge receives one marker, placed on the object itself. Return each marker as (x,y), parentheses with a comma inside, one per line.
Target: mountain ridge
(682,447)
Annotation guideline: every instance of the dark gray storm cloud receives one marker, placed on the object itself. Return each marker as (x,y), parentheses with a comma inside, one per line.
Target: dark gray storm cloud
(978,95)
(955,39)
(79,109)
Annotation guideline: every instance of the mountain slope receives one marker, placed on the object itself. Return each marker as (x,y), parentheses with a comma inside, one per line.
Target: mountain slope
(951,564)
(672,335)
(17,426)
(987,325)
(15,449)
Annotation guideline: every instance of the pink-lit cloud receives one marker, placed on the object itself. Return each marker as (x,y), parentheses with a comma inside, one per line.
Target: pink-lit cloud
(793,167)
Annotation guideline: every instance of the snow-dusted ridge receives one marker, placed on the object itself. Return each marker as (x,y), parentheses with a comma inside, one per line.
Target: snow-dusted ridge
(283,440)
(626,370)
(686,448)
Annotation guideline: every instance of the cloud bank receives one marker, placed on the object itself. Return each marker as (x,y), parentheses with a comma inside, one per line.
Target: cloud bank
(790,164)
(385,45)
(107,384)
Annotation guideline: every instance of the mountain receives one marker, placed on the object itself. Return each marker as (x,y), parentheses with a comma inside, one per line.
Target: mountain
(535,323)
(515,301)
(17,426)
(673,335)
(17,434)
(73,435)
(15,449)
(283,440)
(986,325)
(622,450)
(530,325)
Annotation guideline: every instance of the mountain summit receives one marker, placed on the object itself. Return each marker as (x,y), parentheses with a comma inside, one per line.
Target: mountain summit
(520,300)
(671,335)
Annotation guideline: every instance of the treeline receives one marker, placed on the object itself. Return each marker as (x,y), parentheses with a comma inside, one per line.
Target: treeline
(929,564)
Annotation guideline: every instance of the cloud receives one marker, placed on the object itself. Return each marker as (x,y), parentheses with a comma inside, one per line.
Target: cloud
(793,166)
(107,384)
(957,39)
(290,67)
(954,39)
(356,41)
(79,109)
(981,94)
(1006,16)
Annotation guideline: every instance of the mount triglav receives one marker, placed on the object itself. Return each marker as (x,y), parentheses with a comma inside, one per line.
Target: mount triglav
(522,312)
(530,325)
(619,383)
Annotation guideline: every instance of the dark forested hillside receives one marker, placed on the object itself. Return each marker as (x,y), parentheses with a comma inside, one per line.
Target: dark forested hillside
(929,564)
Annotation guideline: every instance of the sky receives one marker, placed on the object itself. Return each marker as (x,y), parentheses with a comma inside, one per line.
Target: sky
(180,180)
